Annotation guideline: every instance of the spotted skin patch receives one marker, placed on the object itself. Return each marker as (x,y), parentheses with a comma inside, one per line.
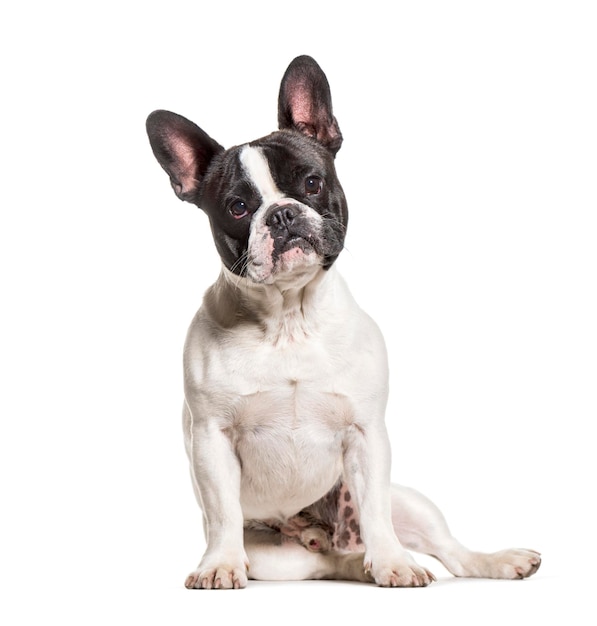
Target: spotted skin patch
(347,535)
(332,523)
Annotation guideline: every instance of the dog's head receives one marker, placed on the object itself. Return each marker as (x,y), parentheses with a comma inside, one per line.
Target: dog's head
(275,205)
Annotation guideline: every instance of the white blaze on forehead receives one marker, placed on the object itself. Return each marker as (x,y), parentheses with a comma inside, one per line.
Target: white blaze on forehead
(257,169)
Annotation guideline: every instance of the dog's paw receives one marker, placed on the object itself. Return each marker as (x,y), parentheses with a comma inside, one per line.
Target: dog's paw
(221,576)
(402,572)
(514,563)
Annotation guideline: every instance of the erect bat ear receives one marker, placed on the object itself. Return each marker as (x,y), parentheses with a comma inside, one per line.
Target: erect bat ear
(305,103)
(182,149)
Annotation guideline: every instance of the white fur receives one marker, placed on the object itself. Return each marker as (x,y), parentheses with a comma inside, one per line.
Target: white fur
(255,165)
(278,410)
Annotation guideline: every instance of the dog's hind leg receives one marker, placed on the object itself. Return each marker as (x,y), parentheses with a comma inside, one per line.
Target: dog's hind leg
(271,557)
(421,527)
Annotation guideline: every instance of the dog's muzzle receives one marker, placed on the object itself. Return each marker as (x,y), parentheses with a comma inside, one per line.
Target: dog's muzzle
(284,238)
(291,227)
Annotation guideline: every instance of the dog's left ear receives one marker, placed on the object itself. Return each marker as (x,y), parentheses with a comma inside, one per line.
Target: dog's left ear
(305,103)
(183,149)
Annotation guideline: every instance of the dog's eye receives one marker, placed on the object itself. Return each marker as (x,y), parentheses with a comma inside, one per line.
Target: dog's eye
(313,185)
(238,209)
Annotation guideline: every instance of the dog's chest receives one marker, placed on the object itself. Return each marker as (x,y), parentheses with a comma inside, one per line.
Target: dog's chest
(289,383)
(288,433)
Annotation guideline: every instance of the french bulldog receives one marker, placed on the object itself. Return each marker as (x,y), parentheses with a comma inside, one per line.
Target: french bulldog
(285,376)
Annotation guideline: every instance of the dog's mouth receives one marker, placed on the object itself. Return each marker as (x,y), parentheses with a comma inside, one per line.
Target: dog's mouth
(284,244)
(294,251)
(283,256)
(306,244)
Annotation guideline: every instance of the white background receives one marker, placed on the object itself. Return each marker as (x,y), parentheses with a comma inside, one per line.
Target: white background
(469,163)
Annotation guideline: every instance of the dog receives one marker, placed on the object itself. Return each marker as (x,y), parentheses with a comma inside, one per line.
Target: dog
(286,378)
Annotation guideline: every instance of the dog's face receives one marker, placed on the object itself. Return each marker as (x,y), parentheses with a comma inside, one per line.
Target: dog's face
(275,205)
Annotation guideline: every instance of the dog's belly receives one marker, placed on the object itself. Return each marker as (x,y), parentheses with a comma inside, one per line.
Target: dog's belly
(289,441)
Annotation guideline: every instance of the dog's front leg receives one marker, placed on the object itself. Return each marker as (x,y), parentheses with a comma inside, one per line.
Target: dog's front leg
(367,473)
(215,470)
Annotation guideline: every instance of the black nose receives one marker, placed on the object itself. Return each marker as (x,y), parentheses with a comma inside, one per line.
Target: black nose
(282,217)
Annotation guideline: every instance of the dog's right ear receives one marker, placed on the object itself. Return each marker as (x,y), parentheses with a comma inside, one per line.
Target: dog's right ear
(182,149)
(305,103)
